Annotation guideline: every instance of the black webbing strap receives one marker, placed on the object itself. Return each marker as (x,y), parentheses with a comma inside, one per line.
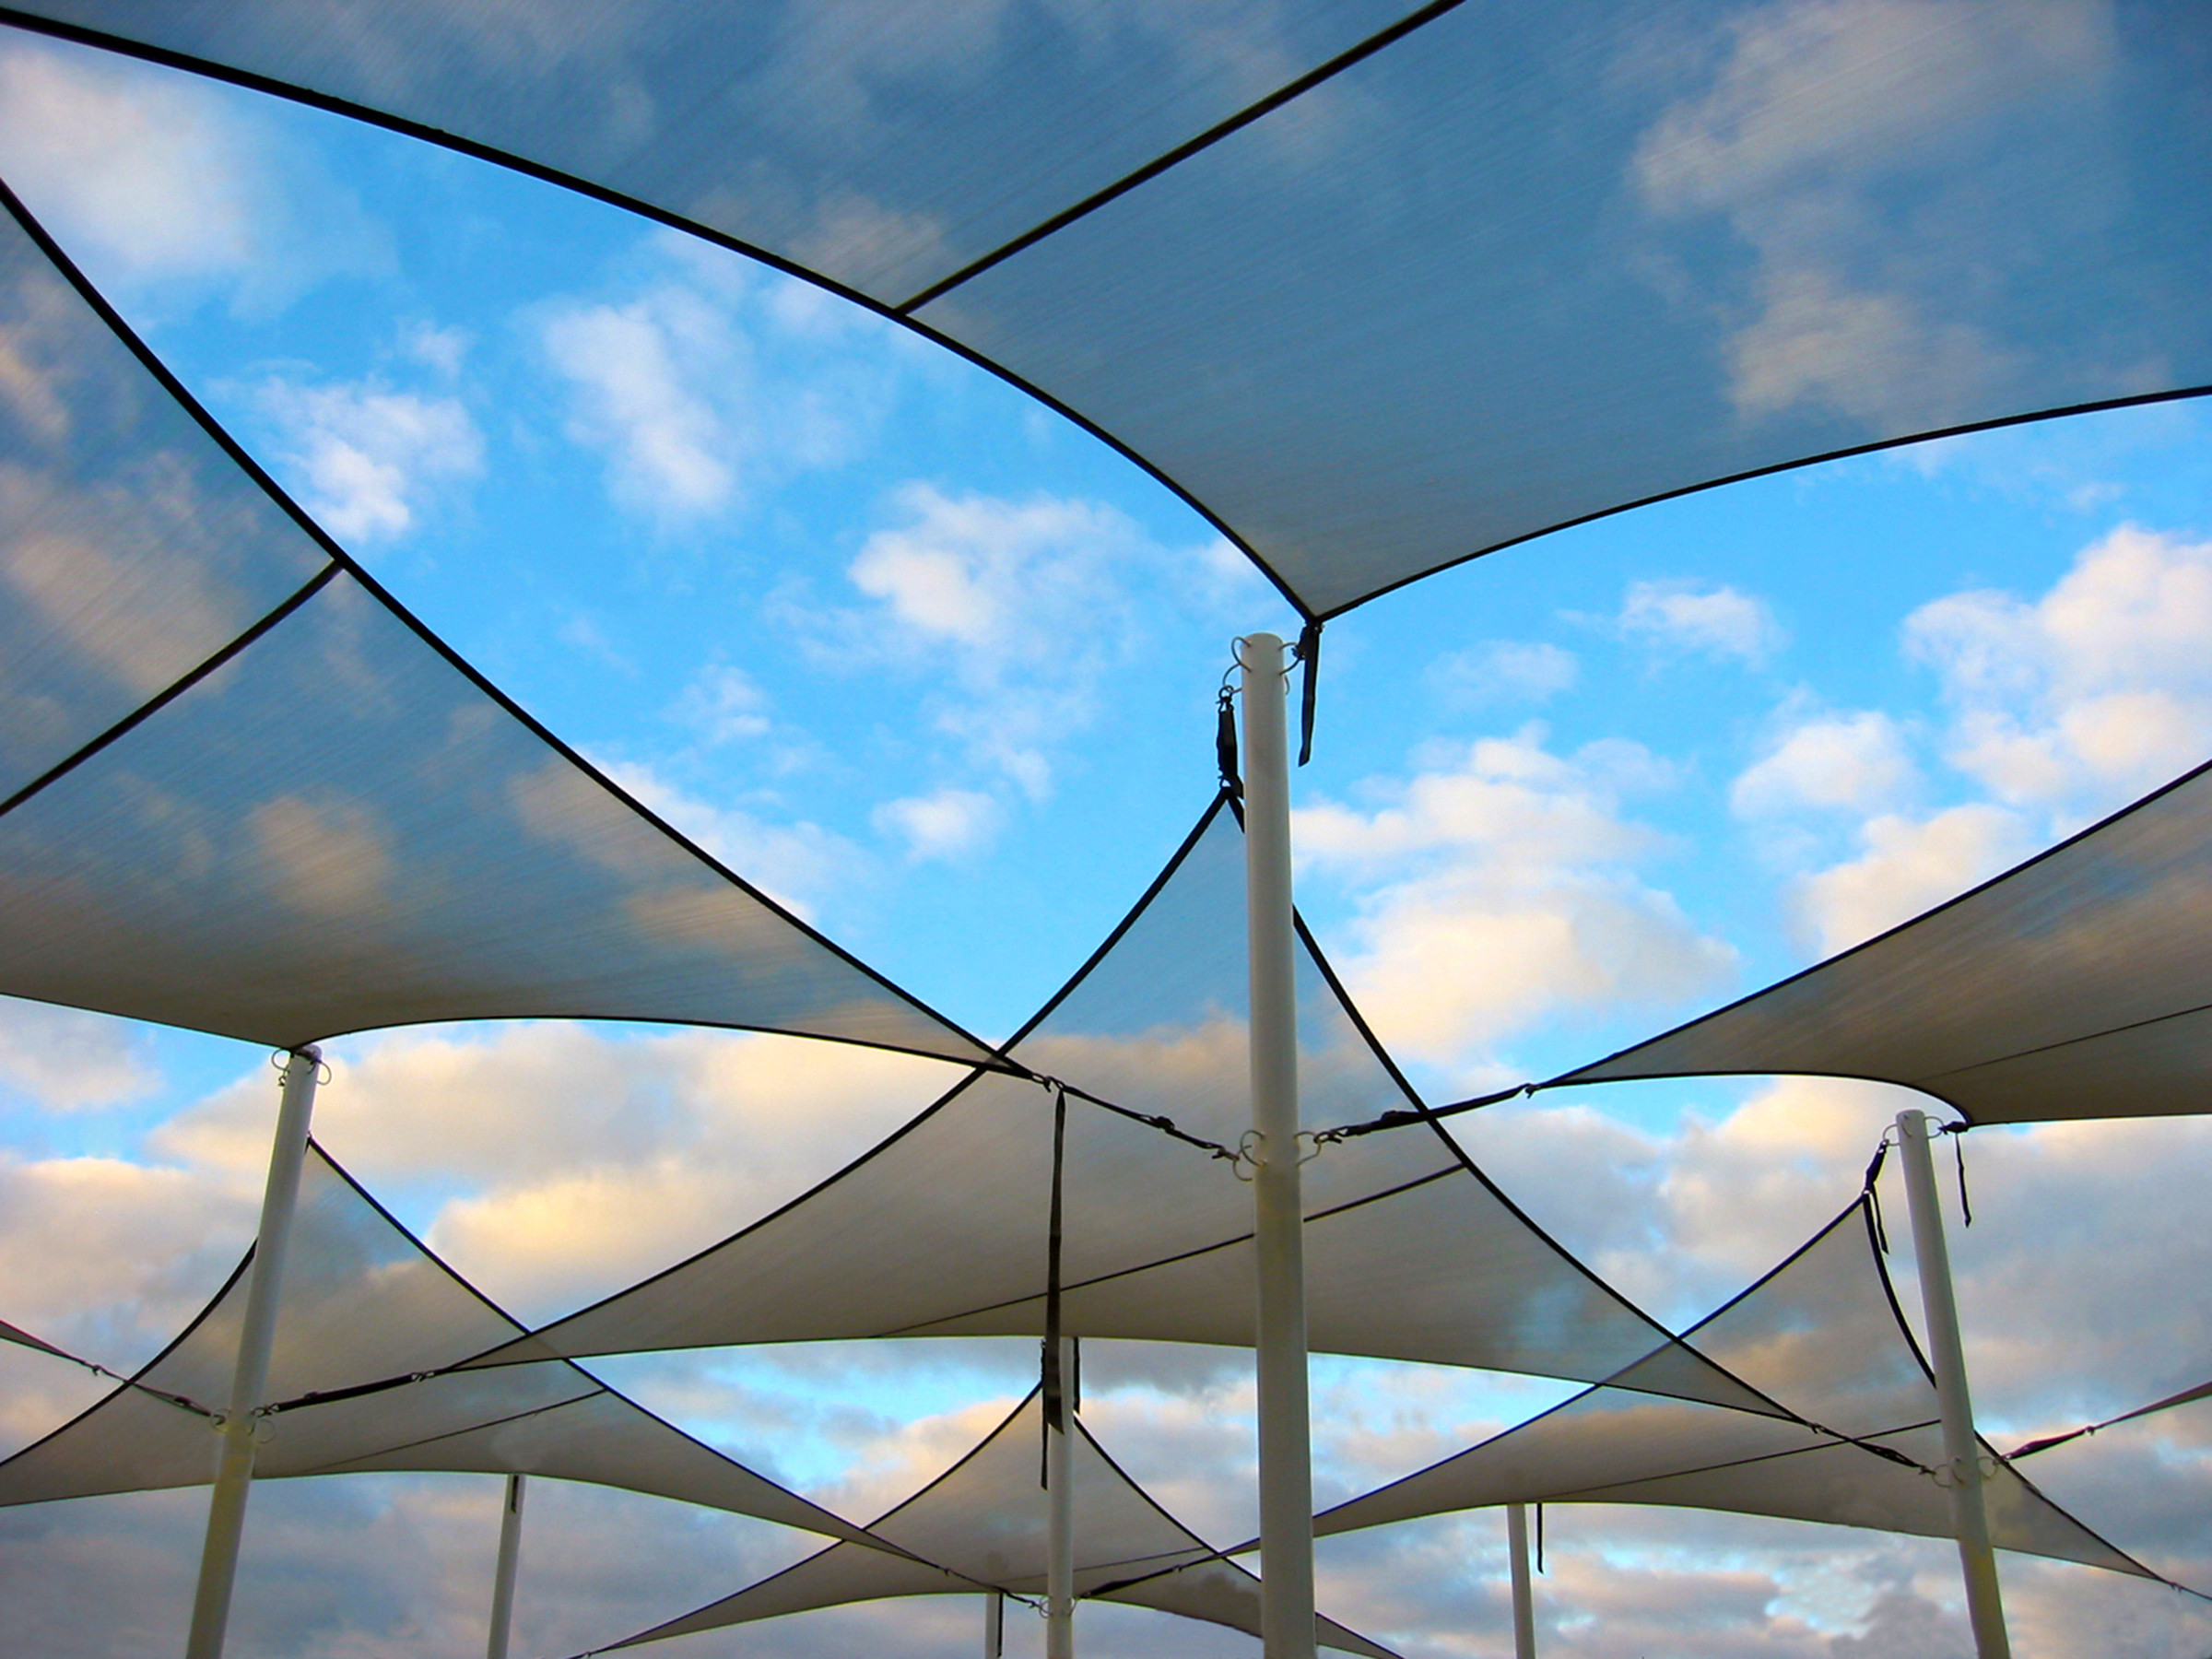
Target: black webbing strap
(2049,1441)
(1225,742)
(1055,1385)
(1309,654)
(1400,1117)
(357,1390)
(1166,1126)
(1539,1537)
(1957,1132)
(1890,1452)
(1874,1193)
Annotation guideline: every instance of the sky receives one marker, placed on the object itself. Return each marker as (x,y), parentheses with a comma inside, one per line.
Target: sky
(937,669)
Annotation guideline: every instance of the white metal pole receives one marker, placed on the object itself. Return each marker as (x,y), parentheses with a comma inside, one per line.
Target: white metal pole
(1525,1604)
(1060,1523)
(995,1625)
(1286,1452)
(502,1578)
(264,1284)
(1962,1452)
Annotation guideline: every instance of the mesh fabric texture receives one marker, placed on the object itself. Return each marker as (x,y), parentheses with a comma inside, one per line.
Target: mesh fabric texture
(941,1230)
(1822,1337)
(242,790)
(364,1301)
(2076,985)
(1459,275)
(982,1525)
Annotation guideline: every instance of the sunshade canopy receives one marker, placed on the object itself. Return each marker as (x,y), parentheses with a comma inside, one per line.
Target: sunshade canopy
(2077,985)
(241,790)
(982,1525)
(1822,1337)
(370,1318)
(1378,286)
(942,1230)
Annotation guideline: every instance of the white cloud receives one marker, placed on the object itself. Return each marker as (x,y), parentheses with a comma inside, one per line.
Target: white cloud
(988,577)
(69,1059)
(901,1463)
(796,863)
(443,349)
(1908,865)
(951,823)
(1826,132)
(1026,605)
(325,860)
(2061,707)
(151,178)
(712,383)
(152,171)
(669,445)
(1498,893)
(1502,671)
(2096,692)
(567,1161)
(109,1258)
(368,459)
(1873,355)
(1852,762)
(1715,621)
(1742,1192)
(722,703)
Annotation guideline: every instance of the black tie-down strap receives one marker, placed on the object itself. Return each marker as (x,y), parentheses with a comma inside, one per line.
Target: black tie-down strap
(1874,1193)
(1309,655)
(1054,1389)
(1873,1171)
(1958,1132)
(1224,742)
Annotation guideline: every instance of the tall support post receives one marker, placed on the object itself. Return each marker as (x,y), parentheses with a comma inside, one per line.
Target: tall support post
(995,1625)
(1962,1452)
(257,1335)
(1060,1523)
(1286,1450)
(1525,1601)
(502,1578)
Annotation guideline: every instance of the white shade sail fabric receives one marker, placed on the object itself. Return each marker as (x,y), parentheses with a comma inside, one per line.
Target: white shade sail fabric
(242,790)
(369,1319)
(2077,985)
(981,1525)
(1378,286)
(942,1230)
(1821,1336)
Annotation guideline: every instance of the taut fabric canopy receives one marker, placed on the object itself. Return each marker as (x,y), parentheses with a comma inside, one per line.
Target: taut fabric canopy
(981,1525)
(2077,985)
(1821,1336)
(1378,285)
(942,1230)
(365,1301)
(243,790)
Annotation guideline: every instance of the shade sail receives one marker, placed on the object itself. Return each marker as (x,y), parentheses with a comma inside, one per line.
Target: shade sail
(243,790)
(22,1338)
(1820,1335)
(1379,287)
(942,1230)
(365,1301)
(982,1525)
(2077,985)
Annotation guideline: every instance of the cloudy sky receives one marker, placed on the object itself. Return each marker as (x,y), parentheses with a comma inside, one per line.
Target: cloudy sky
(937,670)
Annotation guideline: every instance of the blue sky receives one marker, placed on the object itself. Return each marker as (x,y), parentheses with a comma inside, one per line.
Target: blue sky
(938,669)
